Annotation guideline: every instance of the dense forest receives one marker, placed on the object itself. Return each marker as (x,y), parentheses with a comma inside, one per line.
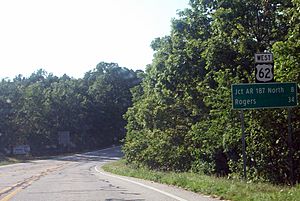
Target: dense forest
(34,110)
(182,118)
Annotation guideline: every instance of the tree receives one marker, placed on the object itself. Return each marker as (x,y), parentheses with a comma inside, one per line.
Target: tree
(34,109)
(184,101)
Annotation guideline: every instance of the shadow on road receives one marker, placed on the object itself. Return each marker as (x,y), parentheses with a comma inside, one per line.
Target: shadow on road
(112,199)
(99,156)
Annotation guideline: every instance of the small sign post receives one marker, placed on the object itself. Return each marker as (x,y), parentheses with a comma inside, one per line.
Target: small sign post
(243,145)
(290,145)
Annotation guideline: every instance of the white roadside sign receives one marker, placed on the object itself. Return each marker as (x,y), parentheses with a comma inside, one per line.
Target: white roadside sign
(263,58)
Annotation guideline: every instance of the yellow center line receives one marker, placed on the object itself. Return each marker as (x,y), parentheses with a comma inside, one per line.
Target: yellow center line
(27,182)
(5,190)
(12,194)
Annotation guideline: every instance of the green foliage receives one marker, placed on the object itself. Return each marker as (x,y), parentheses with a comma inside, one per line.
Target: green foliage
(33,110)
(183,104)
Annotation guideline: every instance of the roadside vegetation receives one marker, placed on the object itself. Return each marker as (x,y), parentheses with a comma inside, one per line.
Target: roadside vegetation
(9,160)
(182,117)
(34,109)
(217,187)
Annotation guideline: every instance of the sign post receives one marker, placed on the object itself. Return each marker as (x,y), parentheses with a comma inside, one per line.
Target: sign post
(265,93)
(290,145)
(243,144)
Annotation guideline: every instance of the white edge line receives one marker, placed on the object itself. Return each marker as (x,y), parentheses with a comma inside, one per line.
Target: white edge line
(143,185)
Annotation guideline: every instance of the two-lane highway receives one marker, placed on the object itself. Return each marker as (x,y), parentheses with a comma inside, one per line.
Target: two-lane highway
(80,178)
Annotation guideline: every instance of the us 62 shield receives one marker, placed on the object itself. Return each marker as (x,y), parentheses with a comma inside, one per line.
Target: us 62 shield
(264,73)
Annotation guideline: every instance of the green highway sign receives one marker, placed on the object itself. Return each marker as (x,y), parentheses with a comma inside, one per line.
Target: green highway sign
(264,95)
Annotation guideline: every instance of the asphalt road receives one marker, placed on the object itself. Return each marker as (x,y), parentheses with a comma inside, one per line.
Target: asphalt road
(80,178)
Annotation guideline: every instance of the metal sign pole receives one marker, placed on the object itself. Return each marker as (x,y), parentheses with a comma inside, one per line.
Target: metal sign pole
(290,146)
(244,144)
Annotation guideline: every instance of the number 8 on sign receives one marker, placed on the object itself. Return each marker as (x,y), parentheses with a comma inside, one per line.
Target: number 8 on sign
(264,72)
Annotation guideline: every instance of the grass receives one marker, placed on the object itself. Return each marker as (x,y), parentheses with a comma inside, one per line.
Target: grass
(221,188)
(4,160)
(9,160)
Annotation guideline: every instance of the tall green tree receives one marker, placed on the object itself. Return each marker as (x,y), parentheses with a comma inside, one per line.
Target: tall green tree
(184,102)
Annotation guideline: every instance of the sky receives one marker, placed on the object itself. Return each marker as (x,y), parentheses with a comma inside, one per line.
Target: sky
(72,36)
